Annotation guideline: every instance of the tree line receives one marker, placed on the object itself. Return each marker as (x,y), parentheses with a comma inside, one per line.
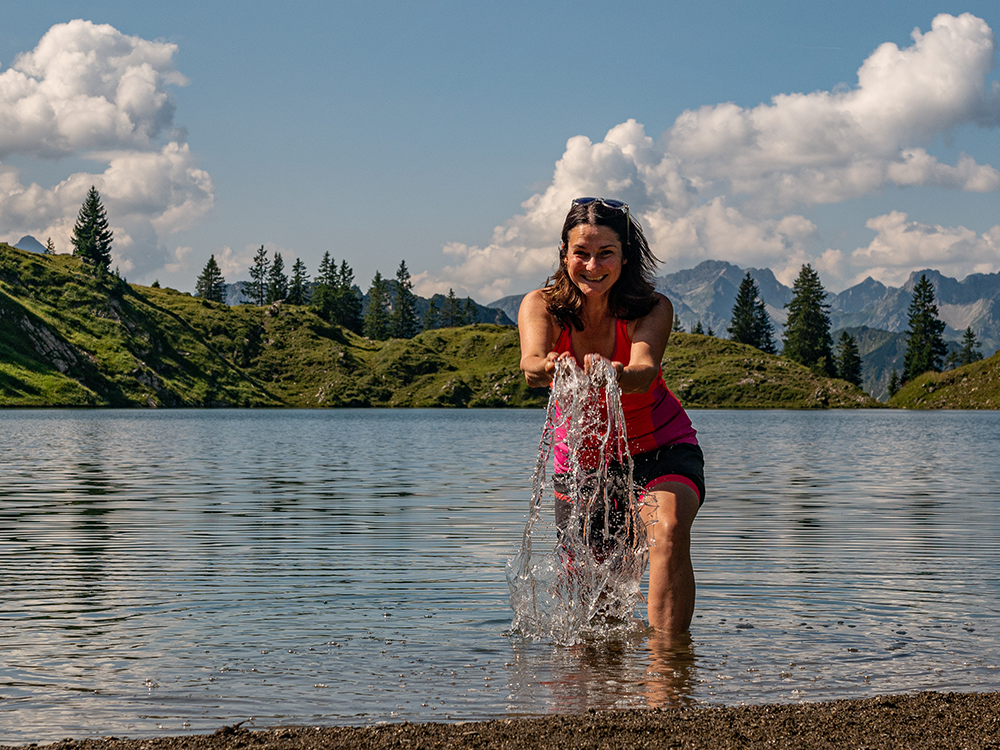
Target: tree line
(391,310)
(808,341)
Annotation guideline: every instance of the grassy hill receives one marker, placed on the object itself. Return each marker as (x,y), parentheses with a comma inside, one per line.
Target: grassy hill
(70,338)
(716,373)
(975,386)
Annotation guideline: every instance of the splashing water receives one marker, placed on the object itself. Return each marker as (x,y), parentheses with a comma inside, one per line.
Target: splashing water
(577,574)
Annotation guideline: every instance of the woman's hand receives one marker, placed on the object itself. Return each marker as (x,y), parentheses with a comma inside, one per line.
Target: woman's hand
(539,371)
(591,362)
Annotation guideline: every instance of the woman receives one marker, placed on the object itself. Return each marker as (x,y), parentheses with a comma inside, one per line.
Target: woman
(601,305)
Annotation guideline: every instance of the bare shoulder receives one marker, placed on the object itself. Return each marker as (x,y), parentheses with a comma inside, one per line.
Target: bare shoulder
(663,308)
(533,307)
(662,315)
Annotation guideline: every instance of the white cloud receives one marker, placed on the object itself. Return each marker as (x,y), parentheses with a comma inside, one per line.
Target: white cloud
(89,91)
(86,86)
(828,146)
(726,181)
(902,246)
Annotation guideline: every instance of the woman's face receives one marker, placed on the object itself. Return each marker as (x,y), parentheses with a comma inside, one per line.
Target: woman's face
(594,258)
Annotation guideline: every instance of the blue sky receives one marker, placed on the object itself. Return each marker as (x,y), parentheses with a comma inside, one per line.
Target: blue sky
(448,134)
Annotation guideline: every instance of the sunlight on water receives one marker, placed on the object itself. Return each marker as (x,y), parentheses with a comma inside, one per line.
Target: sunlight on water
(580,576)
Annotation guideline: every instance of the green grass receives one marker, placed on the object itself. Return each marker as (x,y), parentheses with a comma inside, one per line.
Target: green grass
(716,373)
(975,386)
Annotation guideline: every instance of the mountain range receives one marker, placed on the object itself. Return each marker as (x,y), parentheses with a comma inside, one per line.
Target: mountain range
(707,292)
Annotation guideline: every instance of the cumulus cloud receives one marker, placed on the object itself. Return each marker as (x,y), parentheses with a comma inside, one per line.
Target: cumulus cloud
(86,86)
(89,91)
(901,246)
(727,182)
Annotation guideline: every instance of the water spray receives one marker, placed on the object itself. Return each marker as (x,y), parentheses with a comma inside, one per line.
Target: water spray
(578,571)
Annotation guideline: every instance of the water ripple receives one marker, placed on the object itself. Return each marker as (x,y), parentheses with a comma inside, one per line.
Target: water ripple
(173,571)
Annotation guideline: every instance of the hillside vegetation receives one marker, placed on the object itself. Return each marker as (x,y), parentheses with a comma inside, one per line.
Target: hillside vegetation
(708,372)
(974,386)
(70,338)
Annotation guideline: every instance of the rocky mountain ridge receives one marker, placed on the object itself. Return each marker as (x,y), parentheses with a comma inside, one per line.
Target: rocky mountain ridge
(707,292)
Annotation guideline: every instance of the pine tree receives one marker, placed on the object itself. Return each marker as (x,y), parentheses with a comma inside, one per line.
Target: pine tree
(750,323)
(348,303)
(710,332)
(451,314)
(277,281)
(91,235)
(849,360)
(211,285)
(376,317)
(327,271)
(258,277)
(403,323)
(470,314)
(50,247)
(324,295)
(298,287)
(807,332)
(925,349)
(698,328)
(893,383)
(969,352)
(431,317)
(678,326)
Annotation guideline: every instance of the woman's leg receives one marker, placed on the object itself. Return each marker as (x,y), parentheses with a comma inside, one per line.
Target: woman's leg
(669,512)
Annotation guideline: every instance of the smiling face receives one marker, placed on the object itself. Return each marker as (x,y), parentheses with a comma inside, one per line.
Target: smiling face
(593,258)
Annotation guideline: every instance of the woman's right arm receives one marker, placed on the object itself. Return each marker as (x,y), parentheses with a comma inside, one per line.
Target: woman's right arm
(538,331)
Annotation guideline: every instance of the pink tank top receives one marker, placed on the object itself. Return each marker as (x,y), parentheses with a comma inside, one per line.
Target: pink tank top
(652,419)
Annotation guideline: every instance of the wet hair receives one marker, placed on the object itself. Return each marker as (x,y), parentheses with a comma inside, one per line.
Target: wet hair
(632,296)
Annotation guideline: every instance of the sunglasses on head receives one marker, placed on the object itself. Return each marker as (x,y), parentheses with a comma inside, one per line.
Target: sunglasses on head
(608,203)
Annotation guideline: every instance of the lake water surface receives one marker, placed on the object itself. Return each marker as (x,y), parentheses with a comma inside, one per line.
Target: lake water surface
(166,572)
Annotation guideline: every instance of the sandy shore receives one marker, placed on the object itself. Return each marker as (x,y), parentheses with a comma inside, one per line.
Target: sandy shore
(953,721)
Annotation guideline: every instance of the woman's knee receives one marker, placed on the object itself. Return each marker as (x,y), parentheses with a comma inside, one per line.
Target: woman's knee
(674,505)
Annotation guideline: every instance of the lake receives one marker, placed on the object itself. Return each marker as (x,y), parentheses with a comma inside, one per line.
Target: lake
(167,572)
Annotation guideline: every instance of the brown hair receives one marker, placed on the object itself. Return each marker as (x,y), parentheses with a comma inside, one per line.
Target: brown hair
(632,296)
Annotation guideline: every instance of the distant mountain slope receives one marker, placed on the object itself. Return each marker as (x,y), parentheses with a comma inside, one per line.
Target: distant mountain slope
(974,301)
(708,291)
(508,305)
(30,244)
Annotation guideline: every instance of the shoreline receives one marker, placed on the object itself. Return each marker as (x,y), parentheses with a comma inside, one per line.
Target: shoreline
(888,722)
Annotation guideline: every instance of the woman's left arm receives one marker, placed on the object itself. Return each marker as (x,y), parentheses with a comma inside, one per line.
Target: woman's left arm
(649,341)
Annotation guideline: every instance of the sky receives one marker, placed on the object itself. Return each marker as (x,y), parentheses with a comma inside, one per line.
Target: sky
(860,138)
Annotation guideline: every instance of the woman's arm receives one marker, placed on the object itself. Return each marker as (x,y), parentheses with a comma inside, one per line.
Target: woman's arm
(538,331)
(649,341)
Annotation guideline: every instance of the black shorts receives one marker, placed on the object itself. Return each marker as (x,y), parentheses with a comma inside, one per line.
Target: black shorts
(682,462)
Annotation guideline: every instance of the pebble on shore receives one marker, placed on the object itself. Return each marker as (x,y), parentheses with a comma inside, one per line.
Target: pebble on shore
(970,721)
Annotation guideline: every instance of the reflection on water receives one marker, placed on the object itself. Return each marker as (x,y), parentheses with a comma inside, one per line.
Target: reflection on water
(174,571)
